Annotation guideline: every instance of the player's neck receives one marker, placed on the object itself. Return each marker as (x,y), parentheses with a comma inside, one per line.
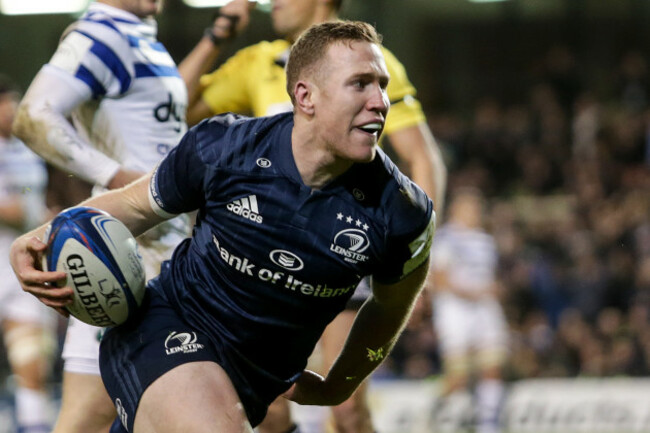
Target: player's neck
(317,166)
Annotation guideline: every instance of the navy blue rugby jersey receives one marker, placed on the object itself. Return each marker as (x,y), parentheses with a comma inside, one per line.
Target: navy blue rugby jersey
(271,262)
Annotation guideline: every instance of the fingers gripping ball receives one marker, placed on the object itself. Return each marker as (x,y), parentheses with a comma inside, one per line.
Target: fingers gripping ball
(101,258)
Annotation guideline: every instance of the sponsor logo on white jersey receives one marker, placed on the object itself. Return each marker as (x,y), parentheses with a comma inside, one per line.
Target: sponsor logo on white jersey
(182,342)
(246,207)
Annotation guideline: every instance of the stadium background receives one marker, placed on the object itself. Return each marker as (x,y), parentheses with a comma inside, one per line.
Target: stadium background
(543,104)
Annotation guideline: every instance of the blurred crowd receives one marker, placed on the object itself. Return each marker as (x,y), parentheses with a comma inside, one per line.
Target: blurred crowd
(567,173)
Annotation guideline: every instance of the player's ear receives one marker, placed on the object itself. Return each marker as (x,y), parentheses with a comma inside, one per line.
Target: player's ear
(303,93)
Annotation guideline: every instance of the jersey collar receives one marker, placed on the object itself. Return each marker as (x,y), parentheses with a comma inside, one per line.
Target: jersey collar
(282,155)
(148,27)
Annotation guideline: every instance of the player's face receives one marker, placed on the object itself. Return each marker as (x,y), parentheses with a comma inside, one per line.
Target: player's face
(292,17)
(350,100)
(8,104)
(140,8)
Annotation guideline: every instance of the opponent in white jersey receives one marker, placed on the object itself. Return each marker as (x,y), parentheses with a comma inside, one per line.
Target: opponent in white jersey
(467,315)
(28,326)
(126,100)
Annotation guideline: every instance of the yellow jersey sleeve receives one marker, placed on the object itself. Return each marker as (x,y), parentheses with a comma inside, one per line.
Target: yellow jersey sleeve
(405,111)
(251,82)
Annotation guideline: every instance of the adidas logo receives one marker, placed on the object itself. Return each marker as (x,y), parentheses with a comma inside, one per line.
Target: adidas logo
(246,207)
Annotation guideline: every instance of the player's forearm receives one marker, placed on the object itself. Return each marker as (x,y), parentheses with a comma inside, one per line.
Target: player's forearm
(195,64)
(417,147)
(429,171)
(375,331)
(439,178)
(129,205)
(231,19)
(372,337)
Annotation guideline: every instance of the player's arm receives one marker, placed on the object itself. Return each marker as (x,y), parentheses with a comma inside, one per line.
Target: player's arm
(396,285)
(42,123)
(129,204)
(416,146)
(410,136)
(231,19)
(374,333)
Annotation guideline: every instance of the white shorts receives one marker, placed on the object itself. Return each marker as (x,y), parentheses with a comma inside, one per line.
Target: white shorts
(81,347)
(464,326)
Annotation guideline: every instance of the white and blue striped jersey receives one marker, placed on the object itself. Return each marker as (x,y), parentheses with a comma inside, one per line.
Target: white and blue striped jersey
(271,262)
(22,177)
(137,110)
(468,256)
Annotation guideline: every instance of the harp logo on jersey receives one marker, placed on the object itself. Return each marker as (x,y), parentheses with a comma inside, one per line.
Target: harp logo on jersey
(350,243)
(183,342)
(246,207)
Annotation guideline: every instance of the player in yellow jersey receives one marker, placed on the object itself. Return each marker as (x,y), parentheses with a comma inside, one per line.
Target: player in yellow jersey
(253,82)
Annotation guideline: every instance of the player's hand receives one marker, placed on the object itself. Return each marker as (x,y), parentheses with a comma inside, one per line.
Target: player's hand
(123,177)
(312,389)
(25,257)
(223,27)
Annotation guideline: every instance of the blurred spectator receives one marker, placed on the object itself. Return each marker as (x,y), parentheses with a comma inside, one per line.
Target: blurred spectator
(467,315)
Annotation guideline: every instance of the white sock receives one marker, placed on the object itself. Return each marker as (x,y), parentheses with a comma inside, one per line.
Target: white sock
(489,395)
(33,411)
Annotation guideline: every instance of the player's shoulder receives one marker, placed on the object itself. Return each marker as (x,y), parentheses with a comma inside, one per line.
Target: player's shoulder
(273,47)
(231,138)
(264,50)
(104,23)
(391,190)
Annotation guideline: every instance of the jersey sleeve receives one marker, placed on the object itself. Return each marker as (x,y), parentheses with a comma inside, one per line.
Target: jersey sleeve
(178,182)
(405,110)
(411,230)
(97,54)
(225,89)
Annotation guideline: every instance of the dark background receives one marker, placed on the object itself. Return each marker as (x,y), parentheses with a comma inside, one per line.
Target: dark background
(455,51)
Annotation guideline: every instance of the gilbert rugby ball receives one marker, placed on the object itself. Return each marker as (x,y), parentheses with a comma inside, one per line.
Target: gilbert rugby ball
(100,256)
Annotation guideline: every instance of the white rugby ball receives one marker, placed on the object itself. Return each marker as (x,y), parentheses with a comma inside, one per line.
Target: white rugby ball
(100,256)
